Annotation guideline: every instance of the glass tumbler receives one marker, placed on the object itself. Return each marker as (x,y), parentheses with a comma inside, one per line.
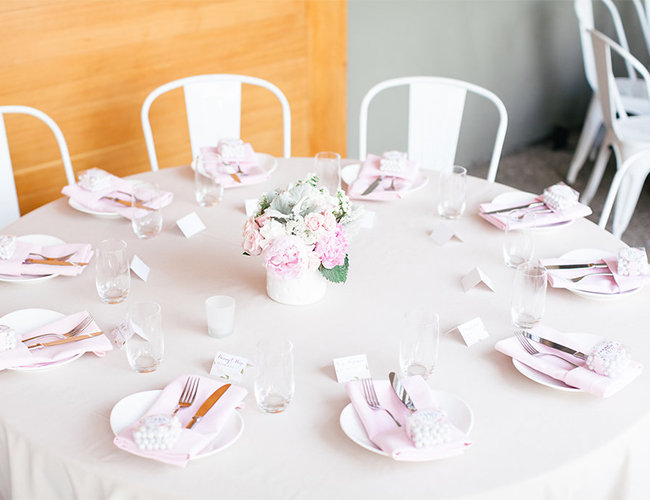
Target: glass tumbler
(145,347)
(113,276)
(208,180)
(418,352)
(519,237)
(451,192)
(274,382)
(328,170)
(528,295)
(147,222)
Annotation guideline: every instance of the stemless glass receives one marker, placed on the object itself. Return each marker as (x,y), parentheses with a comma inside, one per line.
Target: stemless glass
(519,237)
(113,277)
(208,181)
(146,346)
(274,382)
(528,295)
(418,352)
(220,311)
(328,170)
(451,192)
(146,223)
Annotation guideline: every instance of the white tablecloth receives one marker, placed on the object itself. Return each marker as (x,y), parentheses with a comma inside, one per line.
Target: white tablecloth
(529,440)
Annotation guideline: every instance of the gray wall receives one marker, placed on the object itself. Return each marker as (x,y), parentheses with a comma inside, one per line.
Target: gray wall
(525,51)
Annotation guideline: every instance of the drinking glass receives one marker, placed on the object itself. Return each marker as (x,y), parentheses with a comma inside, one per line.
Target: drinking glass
(274,382)
(146,223)
(328,170)
(418,352)
(220,310)
(113,277)
(451,192)
(528,295)
(519,237)
(145,347)
(208,180)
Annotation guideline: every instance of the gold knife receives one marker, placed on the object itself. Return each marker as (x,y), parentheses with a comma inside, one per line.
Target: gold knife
(40,345)
(209,403)
(233,174)
(126,203)
(54,262)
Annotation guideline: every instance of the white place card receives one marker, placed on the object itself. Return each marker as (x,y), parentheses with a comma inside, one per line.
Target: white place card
(368,219)
(136,330)
(351,368)
(473,331)
(140,269)
(474,277)
(228,366)
(444,233)
(190,224)
(251,206)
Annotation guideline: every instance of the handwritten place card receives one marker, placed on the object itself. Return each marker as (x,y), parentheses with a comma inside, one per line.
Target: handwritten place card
(474,277)
(473,331)
(368,219)
(444,233)
(351,368)
(140,269)
(228,366)
(251,206)
(190,224)
(120,334)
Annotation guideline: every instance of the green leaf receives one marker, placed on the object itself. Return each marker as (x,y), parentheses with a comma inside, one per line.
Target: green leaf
(338,274)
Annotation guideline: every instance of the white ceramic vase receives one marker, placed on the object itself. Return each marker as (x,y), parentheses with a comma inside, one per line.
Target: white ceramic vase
(308,288)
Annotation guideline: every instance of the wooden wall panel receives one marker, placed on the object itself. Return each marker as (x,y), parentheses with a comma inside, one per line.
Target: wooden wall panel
(89,64)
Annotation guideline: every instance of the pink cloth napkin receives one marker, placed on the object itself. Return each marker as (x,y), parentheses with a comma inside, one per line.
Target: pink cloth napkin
(253,172)
(93,199)
(192,441)
(15,266)
(370,171)
(386,435)
(582,377)
(544,218)
(559,278)
(20,356)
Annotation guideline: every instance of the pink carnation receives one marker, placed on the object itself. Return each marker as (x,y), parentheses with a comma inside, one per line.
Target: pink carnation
(333,247)
(252,238)
(285,257)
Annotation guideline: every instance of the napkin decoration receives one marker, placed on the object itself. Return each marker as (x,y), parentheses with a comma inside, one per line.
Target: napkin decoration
(7,338)
(232,149)
(632,262)
(157,432)
(608,359)
(7,247)
(94,179)
(238,158)
(392,162)
(429,427)
(559,197)
(396,173)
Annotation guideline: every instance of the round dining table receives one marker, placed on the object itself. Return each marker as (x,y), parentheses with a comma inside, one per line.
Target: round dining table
(528,440)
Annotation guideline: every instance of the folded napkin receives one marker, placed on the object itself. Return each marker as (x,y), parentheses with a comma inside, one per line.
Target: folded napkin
(393,440)
(581,377)
(544,216)
(191,441)
(15,266)
(93,200)
(559,278)
(370,171)
(20,356)
(253,172)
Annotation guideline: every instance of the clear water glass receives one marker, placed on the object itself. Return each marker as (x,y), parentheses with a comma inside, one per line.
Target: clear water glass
(274,380)
(418,352)
(528,295)
(328,169)
(113,275)
(146,345)
(451,192)
(208,180)
(519,237)
(147,223)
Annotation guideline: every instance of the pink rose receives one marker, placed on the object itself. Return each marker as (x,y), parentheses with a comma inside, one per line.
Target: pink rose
(252,238)
(285,257)
(329,221)
(333,247)
(314,221)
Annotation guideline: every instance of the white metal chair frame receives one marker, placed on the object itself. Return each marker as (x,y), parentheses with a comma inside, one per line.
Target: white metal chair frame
(8,194)
(198,124)
(436,107)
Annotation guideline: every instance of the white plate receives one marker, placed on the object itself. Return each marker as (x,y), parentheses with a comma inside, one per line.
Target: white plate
(131,408)
(514,198)
(349,174)
(458,410)
(43,240)
(25,320)
(542,378)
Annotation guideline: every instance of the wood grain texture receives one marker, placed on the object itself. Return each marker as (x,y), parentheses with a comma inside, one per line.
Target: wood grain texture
(89,64)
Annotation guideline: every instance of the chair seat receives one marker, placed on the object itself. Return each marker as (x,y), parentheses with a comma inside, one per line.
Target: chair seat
(634,95)
(634,129)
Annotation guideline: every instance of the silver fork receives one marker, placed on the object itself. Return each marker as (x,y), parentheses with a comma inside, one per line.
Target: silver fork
(580,278)
(528,347)
(61,259)
(371,398)
(75,331)
(188,395)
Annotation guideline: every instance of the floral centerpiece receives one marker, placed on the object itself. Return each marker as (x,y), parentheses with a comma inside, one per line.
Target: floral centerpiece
(302,232)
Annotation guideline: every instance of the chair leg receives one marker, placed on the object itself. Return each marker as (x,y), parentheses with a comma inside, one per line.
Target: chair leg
(628,197)
(587,140)
(597,173)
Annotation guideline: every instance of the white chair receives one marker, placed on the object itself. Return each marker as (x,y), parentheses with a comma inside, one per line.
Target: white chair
(213,104)
(631,89)
(629,136)
(10,210)
(435,114)
(644,20)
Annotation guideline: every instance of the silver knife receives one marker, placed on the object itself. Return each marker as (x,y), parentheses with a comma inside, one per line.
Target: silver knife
(373,186)
(401,391)
(503,210)
(555,345)
(578,266)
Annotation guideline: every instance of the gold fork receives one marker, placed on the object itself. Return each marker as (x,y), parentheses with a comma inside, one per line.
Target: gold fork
(61,259)
(75,331)
(188,395)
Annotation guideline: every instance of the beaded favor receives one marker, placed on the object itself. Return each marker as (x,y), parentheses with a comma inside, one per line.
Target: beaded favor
(608,358)
(157,432)
(632,262)
(7,247)
(392,162)
(7,338)
(559,197)
(231,149)
(94,179)
(428,427)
